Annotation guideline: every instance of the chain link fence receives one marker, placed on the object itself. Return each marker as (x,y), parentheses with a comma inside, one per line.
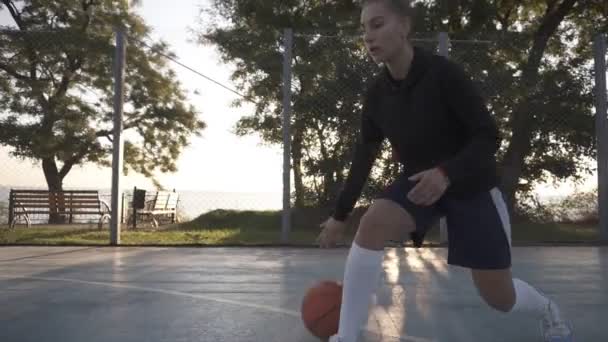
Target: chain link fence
(73,74)
(329,77)
(555,108)
(52,105)
(601,111)
(330,73)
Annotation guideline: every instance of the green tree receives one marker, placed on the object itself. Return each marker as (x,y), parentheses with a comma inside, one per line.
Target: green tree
(537,81)
(534,71)
(56,89)
(322,131)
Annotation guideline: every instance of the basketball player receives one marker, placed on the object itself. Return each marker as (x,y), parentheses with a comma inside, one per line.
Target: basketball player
(439,125)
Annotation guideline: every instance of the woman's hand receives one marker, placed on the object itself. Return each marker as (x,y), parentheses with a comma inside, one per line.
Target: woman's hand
(333,231)
(432,184)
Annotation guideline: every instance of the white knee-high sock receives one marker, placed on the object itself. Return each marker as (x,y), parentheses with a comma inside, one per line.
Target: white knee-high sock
(363,268)
(528,299)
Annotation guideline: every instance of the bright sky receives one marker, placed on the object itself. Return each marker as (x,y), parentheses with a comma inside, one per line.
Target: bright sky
(219,160)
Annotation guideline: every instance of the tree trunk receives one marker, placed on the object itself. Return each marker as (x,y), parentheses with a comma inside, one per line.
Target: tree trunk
(513,162)
(522,122)
(55,184)
(327,171)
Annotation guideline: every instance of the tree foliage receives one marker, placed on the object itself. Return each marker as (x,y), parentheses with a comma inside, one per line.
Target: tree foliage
(531,59)
(57,89)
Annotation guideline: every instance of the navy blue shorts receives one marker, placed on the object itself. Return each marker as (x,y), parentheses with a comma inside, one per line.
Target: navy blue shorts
(479,230)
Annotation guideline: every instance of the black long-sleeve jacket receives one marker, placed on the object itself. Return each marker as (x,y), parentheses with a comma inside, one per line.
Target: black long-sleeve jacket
(435,117)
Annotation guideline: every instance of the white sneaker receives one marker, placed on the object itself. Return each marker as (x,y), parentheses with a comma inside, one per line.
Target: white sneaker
(553,327)
(334,338)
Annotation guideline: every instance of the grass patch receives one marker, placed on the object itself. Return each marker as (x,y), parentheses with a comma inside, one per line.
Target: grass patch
(226,227)
(555,232)
(245,220)
(53,236)
(223,236)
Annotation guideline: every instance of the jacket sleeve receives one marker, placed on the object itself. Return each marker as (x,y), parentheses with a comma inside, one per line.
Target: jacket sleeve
(466,103)
(365,153)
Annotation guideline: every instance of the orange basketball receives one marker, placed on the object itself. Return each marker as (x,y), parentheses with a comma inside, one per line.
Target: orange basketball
(321,308)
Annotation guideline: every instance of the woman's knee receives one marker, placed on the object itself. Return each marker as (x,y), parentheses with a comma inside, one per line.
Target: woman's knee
(384,220)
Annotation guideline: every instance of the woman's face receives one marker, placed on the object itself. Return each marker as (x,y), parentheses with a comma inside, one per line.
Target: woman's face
(384,31)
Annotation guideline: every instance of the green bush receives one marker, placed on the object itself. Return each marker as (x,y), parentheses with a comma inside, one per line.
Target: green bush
(3,212)
(580,207)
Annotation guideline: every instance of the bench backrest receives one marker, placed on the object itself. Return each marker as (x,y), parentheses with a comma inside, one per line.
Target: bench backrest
(41,201)
(166,200)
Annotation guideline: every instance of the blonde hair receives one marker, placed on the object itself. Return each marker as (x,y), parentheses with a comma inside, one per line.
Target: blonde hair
(401,7)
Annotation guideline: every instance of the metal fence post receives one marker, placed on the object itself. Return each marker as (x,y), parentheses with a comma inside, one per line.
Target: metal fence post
(11,208)
(117,150)
(601,117)
(122,207)
(287,56)
(444,50)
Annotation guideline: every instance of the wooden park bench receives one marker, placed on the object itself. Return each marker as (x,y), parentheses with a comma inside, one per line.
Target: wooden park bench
(24,203)
(164,203)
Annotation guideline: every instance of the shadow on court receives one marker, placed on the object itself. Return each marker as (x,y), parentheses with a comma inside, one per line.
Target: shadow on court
(253,294)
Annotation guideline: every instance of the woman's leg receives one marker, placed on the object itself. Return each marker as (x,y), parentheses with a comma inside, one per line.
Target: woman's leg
(480,239)
(385,220)
(505,294)
(497,289)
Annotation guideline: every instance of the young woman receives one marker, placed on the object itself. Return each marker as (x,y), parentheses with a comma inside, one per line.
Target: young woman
(439,125)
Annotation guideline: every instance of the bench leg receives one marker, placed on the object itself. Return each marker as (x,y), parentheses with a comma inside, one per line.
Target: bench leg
(101,220)
(16,218)
(154,222)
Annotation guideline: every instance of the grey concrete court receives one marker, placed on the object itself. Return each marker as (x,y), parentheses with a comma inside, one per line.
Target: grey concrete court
(76,294)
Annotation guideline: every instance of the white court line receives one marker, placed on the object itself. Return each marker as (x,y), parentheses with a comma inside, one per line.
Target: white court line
(190,295)
(167,292)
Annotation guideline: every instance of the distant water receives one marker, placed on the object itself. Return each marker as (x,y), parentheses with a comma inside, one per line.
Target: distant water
(194,203)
